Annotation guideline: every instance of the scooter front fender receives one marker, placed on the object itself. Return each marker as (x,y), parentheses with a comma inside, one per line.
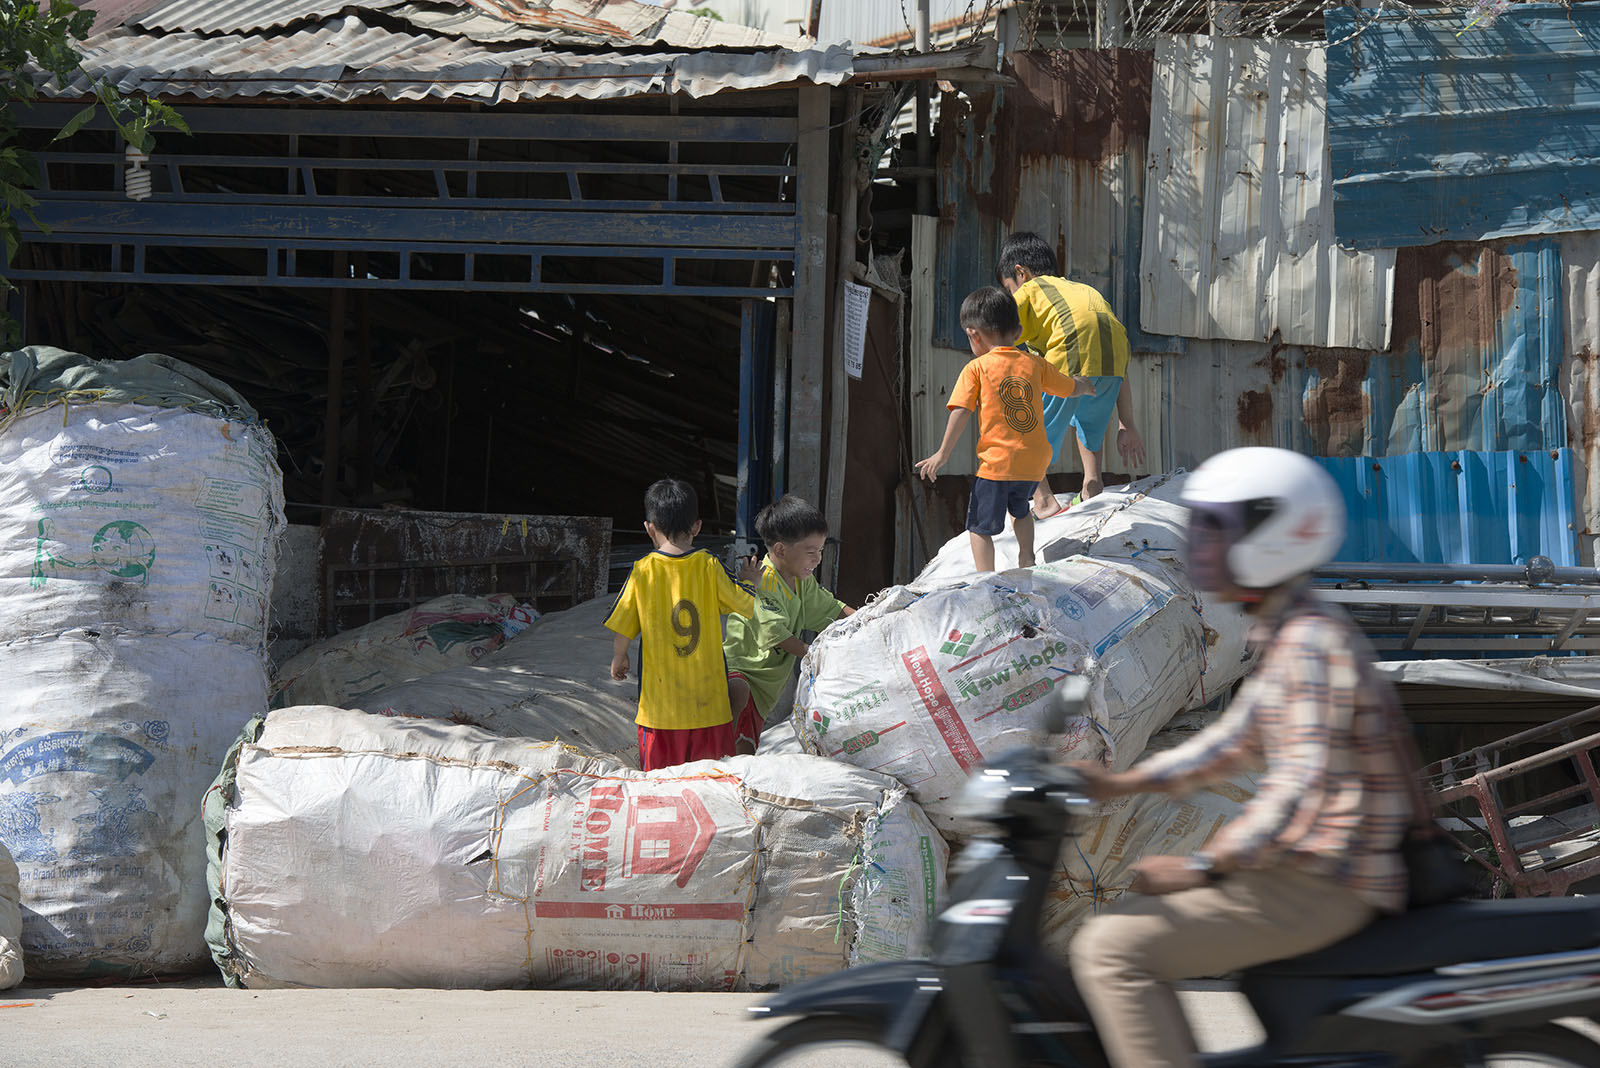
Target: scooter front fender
(872,992)
(896,996)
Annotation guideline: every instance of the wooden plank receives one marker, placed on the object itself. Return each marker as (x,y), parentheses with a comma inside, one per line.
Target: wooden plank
(810,285)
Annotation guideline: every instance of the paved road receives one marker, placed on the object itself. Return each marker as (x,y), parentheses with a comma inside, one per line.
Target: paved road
(202,1023)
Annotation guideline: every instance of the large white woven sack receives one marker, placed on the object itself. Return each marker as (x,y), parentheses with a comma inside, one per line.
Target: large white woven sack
(1142,522)
(926,683)
(107,742)
(156,519)
(1097,866)
(10,923)
(362,850)
(551,683)
(137,549)
(456,630)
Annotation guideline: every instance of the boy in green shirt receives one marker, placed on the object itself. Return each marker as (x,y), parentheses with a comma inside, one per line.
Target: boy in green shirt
(761,651)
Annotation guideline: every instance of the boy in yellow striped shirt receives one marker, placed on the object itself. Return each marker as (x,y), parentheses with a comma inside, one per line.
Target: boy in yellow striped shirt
(673,601)
(1074,329)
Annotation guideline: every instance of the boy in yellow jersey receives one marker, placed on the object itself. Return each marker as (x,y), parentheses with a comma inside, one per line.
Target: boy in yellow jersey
(761,651)
(674,601)
(1004,386)
(1073,328)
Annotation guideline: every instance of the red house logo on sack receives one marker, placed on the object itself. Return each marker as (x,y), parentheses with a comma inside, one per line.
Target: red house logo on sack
(661,835)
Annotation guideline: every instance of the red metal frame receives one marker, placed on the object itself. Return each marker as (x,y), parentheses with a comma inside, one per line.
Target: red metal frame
(1476,775)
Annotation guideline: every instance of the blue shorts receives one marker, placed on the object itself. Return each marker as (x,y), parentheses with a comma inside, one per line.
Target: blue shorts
(1091,415)
(991,500)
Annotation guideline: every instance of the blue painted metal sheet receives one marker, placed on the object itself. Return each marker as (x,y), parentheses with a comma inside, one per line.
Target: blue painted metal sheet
(1459,507)
(1478,343)
(1442,131)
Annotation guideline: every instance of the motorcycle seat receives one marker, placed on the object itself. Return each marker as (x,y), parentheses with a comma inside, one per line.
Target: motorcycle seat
(1452,933)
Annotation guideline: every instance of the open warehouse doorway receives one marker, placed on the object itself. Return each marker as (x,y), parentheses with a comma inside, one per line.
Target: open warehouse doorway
(527,312)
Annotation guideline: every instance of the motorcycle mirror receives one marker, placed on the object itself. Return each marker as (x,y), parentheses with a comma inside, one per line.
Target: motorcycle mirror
(1072,698)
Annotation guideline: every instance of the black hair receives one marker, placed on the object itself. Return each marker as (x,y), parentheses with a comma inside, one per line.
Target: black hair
(992,310)
(1028,250)
(788,519)
(672,507)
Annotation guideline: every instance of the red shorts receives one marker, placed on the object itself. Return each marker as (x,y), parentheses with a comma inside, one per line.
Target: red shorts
(663,747)
(748,723)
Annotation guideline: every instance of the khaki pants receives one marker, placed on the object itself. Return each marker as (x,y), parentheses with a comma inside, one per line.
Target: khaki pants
(1124,959)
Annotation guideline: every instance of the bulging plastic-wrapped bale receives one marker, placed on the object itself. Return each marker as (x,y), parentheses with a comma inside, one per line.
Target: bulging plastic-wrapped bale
(10,923)
(926,683)
(140,510)
(1097,867)
(455,630)
(550,684)
(1140,522)
(358,850)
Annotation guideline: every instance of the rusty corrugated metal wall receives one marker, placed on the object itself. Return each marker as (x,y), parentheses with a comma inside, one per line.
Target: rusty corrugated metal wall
(1483,347)
(1061,153)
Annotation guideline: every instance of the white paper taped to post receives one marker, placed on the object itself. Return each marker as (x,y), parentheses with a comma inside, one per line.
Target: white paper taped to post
(857,305)
(931,679)
(359,850)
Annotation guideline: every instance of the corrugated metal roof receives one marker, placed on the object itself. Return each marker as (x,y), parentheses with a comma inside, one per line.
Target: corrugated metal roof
(1238,223)
(244,16)
(625,23)
(1441,131)
(1459,507)
(109,14)
(343,57)
(572,23)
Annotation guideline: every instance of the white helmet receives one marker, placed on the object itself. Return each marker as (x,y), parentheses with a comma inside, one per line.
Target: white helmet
(1274,514)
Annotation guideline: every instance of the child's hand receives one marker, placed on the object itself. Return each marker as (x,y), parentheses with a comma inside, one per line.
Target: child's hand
(749,570)
(1083,387)
(1131,446)
(929,468)
(619,666)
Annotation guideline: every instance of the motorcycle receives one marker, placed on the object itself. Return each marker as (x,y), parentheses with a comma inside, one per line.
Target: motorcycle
(1465,983)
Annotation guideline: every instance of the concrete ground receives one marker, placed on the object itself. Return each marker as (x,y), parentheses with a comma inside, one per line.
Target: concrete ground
(202,1023)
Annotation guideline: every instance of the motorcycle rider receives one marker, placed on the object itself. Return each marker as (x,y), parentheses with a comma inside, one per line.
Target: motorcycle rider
(1315,855)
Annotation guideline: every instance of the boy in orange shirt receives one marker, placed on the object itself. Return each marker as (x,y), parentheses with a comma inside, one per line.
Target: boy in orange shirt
(1004,385)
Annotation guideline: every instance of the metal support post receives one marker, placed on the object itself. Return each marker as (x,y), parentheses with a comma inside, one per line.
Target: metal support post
(924,119)
(811,294)
(850,179)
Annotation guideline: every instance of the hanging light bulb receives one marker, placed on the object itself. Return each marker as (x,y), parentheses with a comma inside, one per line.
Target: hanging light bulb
(137,181)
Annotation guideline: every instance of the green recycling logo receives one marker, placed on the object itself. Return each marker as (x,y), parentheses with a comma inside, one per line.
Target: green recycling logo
(122,549)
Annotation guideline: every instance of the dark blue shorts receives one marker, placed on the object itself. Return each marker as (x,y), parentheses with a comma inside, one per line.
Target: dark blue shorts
(991,500)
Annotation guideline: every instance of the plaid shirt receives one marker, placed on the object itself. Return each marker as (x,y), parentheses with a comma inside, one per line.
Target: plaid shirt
(1335,797)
